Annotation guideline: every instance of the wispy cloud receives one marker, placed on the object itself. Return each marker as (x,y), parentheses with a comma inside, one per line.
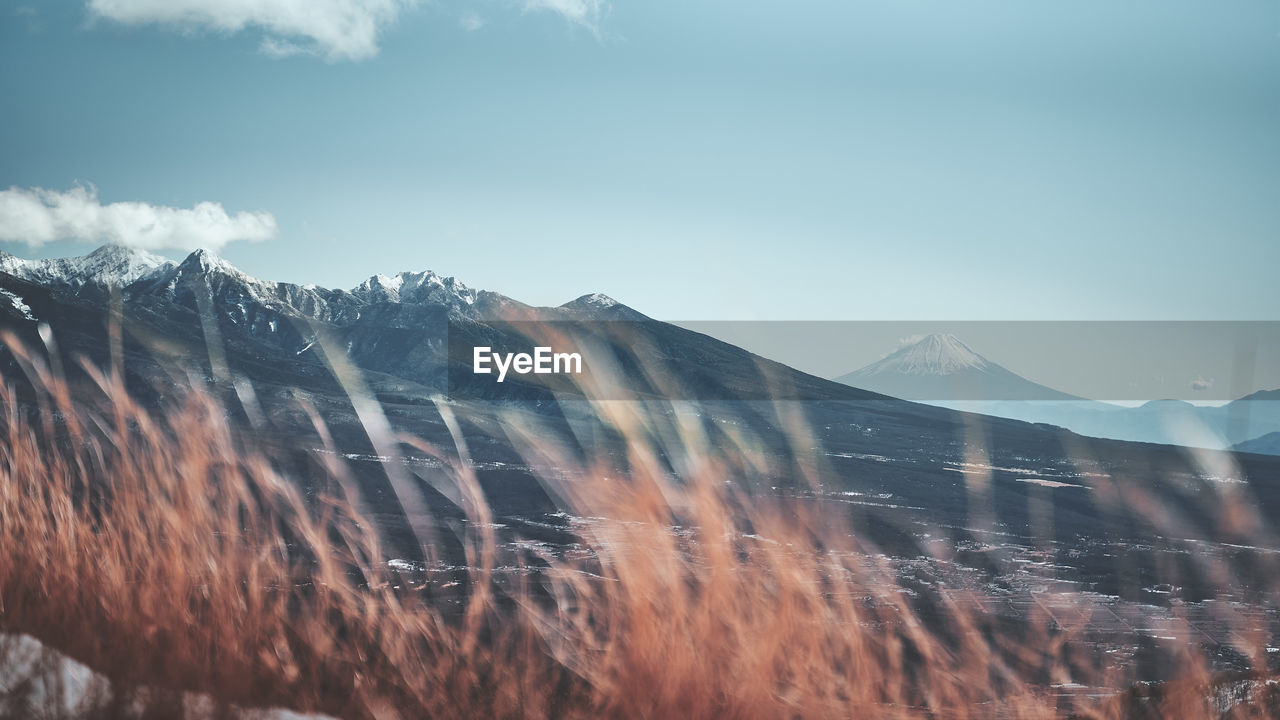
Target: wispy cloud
(36,216)
(582,12)
(277,48)
(1201,384)
(334,29)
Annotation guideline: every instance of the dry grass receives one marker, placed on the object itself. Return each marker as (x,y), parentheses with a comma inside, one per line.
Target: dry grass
(170,554)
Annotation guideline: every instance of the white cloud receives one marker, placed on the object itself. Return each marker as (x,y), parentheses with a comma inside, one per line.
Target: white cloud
(583,12)
(36,216)
(1201,384)
(336,29)
(471,22)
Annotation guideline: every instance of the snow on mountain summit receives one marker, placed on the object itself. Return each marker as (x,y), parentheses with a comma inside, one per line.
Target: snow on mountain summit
(251,302)
(598,300)
(206,268)
(108,265)
(205,261)
(940,368)
(244,298)
(601,307)
(936,354)
(415,287)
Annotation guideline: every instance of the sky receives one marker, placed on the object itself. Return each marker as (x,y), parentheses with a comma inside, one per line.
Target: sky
(800,160)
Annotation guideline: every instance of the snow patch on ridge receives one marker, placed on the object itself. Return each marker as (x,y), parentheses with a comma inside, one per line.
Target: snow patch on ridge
(18,304)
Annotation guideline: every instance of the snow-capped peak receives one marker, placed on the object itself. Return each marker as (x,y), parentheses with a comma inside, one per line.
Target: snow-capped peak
(936,354)
(598,300)
(216,273)
(415,287)
(108,265)
(204,261)
(202,271)
(390,284)
(603,307)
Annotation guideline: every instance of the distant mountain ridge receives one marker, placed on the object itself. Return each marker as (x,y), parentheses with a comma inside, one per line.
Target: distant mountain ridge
(941,370)
(1268,444)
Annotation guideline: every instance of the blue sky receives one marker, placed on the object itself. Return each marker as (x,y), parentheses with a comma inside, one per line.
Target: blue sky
(892,159)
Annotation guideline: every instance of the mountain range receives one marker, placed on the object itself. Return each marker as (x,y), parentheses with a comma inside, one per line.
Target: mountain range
(275,351)
(941,370)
